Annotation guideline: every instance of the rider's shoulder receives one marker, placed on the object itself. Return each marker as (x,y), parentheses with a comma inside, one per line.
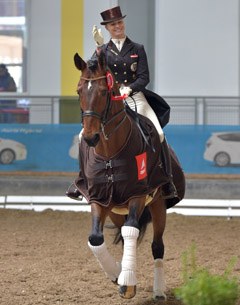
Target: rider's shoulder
(136,44)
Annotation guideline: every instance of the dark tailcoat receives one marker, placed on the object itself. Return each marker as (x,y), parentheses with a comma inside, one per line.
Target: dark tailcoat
(130,68)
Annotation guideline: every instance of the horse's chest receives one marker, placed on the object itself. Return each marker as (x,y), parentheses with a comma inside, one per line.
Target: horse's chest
(114,179)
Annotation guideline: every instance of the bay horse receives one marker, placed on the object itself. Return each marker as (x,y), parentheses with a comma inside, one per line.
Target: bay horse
(121,176)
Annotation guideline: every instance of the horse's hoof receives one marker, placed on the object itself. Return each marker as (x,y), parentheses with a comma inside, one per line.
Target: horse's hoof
(127,292)
(160,297)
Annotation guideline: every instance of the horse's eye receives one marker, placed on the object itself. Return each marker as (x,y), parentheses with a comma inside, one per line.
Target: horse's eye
(104,92)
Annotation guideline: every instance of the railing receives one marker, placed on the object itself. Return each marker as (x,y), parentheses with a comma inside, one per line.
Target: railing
(36,109)
(189,110)
(204,110)
(188,207)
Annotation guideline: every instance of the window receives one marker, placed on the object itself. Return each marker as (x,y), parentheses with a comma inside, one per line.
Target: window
(13,40)
(232,137)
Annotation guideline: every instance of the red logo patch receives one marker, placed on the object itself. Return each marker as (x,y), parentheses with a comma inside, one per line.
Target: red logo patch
(142,165)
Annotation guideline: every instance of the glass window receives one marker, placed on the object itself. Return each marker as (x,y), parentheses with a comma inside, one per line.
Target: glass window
(13,41)
(232,137)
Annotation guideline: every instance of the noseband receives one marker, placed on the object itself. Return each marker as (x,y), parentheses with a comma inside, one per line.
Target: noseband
(110,97)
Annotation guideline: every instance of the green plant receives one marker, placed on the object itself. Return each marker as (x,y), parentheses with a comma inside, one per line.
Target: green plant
(200,287)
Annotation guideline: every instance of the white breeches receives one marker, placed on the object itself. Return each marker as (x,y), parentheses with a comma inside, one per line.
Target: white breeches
(139,102)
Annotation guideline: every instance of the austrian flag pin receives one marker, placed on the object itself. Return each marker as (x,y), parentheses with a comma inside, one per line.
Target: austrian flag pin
(134,56)
(142,165)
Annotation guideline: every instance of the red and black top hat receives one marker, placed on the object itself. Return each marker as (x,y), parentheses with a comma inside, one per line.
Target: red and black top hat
(111,15)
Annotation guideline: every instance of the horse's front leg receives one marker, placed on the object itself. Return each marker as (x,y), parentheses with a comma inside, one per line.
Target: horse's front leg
(127,278)
(97,245)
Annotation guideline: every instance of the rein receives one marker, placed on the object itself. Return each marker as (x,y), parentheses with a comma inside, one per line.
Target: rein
(110,97)
(91,79)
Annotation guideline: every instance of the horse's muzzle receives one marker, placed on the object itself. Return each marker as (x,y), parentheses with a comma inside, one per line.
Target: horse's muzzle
(92,141)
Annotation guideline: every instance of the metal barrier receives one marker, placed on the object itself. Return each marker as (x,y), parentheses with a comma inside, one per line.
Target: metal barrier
(36,109)
(185,110)
(188,207)
(40,203)
(208,207)
(204,110)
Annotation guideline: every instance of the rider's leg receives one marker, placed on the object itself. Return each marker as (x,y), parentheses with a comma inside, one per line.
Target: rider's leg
(142,106)
(139,103)
(168,190)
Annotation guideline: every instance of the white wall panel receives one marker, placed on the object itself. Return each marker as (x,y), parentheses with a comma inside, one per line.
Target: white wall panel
(197,51)
(44,47)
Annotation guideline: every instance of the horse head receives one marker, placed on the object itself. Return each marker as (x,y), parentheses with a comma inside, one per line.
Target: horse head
(97,92)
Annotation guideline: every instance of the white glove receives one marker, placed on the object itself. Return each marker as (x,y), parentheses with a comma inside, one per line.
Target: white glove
(97,36)
(125,91)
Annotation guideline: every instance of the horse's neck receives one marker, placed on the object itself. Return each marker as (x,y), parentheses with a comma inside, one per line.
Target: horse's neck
(108,148)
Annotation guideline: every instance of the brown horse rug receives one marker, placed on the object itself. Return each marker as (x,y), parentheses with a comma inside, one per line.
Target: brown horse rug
(134,171)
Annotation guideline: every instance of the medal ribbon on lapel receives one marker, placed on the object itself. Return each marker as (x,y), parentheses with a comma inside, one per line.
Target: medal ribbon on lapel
(110,86)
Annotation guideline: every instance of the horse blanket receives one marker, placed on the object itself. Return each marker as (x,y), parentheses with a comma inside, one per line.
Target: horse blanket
(134,171)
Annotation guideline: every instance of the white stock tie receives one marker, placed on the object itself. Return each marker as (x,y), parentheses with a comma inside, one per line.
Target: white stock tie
(119,45)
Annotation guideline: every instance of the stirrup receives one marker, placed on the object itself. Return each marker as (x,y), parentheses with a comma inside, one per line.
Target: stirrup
(73,192)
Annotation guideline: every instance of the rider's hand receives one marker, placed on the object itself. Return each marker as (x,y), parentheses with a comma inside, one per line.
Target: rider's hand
(125,91)
(97,36)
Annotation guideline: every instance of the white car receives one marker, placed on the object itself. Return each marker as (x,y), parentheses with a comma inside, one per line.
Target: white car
(223,148)
(74,149)
(11,150)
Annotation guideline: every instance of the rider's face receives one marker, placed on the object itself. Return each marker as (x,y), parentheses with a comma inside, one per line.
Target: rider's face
(116,29)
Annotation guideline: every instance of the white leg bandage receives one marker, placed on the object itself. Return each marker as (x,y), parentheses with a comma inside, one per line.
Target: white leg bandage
(159,285)
(106,261)
(129,261)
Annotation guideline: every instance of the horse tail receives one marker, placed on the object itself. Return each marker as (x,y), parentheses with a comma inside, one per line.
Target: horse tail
(143,222)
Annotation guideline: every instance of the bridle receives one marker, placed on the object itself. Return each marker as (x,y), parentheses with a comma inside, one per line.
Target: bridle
(103,117)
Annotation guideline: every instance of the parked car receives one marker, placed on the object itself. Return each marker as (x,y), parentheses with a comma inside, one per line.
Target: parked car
(223,148)
(11,150)
(74,150)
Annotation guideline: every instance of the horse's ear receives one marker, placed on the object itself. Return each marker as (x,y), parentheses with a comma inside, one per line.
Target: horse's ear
(79,62)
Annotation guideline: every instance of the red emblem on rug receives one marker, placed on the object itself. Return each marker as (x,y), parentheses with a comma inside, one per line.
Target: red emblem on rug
(142,165)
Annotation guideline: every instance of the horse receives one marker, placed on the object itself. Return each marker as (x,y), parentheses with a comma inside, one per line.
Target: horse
(119,179)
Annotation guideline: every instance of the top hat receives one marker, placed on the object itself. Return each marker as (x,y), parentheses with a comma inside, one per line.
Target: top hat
(111,15)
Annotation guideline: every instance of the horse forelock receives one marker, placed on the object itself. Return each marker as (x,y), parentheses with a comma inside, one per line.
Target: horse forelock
(92,64)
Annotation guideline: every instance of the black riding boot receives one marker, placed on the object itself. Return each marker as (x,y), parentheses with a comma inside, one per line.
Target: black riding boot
(73,192)
(168,189)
